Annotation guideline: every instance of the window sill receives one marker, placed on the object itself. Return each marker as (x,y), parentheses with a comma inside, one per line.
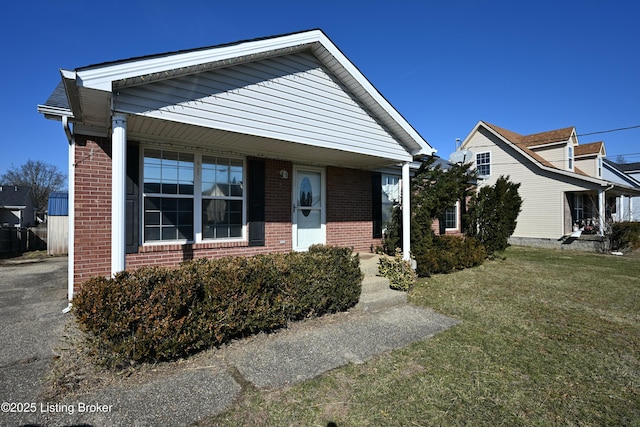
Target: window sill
(179,246)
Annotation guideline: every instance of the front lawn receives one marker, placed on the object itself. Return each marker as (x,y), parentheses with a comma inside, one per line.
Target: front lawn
(547,338)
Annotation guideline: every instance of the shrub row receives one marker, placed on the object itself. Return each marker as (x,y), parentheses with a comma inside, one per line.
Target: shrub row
(450,253)
(157,313)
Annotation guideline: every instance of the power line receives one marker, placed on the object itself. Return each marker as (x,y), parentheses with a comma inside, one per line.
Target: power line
(609,131)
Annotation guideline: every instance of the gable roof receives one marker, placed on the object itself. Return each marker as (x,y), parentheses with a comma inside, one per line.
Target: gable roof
(524,144)
(15,196)
(589,149)
(97,82)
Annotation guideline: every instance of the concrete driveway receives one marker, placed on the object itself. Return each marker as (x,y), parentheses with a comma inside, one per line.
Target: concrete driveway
(33,294)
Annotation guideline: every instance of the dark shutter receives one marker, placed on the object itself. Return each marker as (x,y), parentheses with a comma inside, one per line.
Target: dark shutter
(376,204)
(133,199)
(256,201)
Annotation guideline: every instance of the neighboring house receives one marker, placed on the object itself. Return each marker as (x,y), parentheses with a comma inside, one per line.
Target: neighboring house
(16,206)
(561,181)
(266,145)
(626,206)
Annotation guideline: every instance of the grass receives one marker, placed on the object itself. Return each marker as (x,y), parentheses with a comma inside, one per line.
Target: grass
(547,338)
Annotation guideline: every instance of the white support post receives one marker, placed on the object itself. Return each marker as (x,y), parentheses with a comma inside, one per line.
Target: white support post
(118,192)
(406,213)
(601,209)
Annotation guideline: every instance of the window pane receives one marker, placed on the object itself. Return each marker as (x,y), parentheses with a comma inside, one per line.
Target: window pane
(168,219)
(151,234)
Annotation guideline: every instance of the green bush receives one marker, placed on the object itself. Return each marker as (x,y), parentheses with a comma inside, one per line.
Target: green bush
(450,253)
(625,236)
(399,272)
(157,313)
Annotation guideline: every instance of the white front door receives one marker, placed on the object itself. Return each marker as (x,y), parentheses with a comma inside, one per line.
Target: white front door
(308,208)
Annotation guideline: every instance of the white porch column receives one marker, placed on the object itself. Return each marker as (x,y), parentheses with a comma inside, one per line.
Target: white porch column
(601,210)
(118,192)
(406,213)
(621,214)
(631,217)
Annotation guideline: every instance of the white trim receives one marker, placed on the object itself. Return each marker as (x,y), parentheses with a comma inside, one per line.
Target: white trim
(323,205)
(196,196)
(406,212)
(457,210)
(106,76)
(118,193)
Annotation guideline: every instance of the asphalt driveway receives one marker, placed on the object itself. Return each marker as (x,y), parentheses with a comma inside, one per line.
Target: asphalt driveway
(32,297)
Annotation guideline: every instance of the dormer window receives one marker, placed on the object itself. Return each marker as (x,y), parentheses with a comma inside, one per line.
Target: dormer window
(570,157)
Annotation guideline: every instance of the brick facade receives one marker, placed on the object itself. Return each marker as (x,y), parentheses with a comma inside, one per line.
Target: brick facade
(348,202)
(349,214)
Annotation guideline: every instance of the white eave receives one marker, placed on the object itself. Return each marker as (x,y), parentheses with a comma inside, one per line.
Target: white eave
(111,76)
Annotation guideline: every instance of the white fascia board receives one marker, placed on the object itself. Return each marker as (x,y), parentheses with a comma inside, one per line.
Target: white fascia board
(102,77)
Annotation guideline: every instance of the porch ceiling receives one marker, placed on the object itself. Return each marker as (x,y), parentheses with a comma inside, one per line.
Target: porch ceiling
(185,136)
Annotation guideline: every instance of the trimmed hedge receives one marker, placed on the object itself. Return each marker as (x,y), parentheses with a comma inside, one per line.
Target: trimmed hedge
(450,253)
(158,313)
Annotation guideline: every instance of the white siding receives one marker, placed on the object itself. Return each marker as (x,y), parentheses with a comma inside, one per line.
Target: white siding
(290,98)
(542,193)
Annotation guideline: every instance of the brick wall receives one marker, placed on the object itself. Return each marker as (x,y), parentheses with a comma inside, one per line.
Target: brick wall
(349,218)
(92,208)
(349,214)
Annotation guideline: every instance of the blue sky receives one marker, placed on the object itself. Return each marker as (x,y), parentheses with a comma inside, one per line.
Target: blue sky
(527,66)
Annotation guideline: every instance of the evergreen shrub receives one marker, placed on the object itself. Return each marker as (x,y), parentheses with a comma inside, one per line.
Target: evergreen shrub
(450,253)
(159,313)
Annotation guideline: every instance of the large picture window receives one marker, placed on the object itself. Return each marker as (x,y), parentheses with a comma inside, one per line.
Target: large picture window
(188,197)
(168,195)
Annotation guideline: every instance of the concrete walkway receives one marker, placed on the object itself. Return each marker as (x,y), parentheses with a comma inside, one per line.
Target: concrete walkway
(210,382)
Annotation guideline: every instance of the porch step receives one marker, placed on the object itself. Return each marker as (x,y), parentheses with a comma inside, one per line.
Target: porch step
(376,293)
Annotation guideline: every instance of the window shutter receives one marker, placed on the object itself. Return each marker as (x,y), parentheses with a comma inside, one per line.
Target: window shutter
(376,204)
(256,201)
(133,199)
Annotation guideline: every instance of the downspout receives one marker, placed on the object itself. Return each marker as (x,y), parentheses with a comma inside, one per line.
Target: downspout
(72,191)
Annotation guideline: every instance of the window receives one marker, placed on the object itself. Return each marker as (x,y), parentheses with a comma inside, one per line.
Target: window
(570,158)
(222,195)
(451,217)
(189,197)
(483,164)
(168,195)
(599,167)
(390,196)
(578,206)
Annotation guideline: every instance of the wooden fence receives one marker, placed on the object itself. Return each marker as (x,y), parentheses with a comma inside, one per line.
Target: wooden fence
(17,240)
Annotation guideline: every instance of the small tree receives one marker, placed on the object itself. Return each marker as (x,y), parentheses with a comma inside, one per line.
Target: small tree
(493,214)
(43,179)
